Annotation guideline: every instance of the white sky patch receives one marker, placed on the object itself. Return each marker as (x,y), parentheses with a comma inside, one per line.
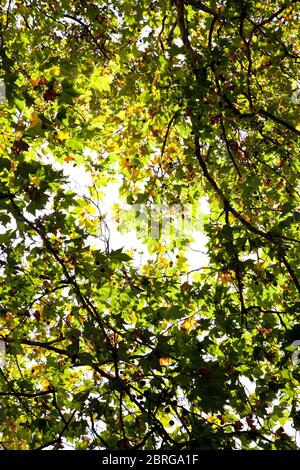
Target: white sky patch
(2,354)
(249,385)
(2,91)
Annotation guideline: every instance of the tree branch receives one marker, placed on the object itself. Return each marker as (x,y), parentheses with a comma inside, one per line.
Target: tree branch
(262,112)
(193,56)
(167,133)
(290,270)
(228,147)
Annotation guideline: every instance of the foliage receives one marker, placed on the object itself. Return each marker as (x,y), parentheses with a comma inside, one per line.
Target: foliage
(179,100)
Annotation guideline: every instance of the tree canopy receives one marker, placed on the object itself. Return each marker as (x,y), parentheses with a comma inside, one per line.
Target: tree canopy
(175,100)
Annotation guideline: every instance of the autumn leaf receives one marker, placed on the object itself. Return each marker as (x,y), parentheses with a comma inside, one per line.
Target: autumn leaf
(165,361)
(188,325)
(226,277)
(69,159)
(35,120)
(46,385)
(186,287)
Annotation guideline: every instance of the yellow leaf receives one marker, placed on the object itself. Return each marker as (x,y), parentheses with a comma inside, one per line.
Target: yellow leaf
(148,270)
(2,149)
(89,209)
(188,325)
(36,181)
(35,121)
(34,82)
(165,361)
(226,277)
(213,420)
(46,385)
(125,163)
(4,332)
(61,135)
(131,317)
(101,81)
(164,261)
(165,324)
(181,259)
(130,111)
(121,115)
(54,71)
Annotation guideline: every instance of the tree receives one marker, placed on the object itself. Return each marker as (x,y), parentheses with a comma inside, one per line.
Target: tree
(181,100)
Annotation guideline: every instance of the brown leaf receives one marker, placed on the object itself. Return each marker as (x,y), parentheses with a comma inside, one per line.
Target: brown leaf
(50,94)
(19,146)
